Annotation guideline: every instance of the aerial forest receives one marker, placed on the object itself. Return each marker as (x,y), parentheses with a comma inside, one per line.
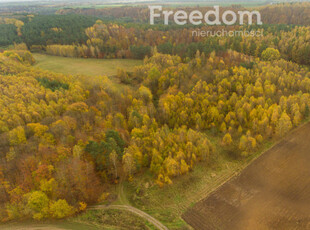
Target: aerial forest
(64,139)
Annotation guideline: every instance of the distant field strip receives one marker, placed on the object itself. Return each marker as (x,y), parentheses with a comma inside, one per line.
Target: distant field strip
(271,193)
(90,66)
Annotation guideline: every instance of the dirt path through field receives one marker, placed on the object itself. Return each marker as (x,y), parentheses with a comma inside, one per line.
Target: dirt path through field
(136,211)
(271,193)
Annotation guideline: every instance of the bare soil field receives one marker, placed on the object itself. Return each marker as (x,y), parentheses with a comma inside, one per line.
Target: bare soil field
(273,192)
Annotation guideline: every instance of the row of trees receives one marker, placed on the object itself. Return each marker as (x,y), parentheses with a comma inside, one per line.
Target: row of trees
(117,41)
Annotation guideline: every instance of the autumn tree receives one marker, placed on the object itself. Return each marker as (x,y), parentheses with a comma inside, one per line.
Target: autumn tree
(270,54)
(284,125)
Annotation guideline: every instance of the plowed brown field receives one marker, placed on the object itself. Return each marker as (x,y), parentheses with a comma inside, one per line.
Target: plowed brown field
(273,192)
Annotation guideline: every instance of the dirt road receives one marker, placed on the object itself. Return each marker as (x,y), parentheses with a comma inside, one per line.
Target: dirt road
(136,211)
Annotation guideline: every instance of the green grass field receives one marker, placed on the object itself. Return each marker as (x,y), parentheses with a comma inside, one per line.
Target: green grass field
(90,67)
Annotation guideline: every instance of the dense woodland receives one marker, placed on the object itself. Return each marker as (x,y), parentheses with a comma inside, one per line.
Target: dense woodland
(116,41)
(41,30)
(65,139)
(80,33)
(290,13)
(48,120)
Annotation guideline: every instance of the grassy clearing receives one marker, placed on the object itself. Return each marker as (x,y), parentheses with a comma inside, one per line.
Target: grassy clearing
(89,67)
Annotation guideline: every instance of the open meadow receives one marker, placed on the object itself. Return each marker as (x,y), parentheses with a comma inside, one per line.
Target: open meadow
(90,67)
